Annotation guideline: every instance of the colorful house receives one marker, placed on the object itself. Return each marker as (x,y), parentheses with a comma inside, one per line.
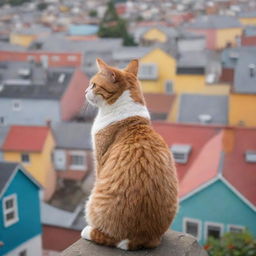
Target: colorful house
(72,156)
(157,72)
(34,95)
(242,102)
(220,30)
(25,36)
(20,222)
(248,18)
(217,194)
(33,146)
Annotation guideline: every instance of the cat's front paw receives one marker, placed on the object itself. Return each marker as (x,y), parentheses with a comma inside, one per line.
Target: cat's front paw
(86,233)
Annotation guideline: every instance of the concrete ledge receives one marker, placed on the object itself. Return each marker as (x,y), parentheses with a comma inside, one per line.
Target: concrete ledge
(173,244)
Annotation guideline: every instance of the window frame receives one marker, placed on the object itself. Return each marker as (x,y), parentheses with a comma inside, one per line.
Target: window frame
(75,167)
(147,75)
(165,86)
(192,220)
(217,224)
(28,158)
(14,209)
(13,105)
(55,58)
(235,226)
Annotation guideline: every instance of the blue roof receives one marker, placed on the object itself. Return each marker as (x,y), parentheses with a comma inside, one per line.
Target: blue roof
(82,30)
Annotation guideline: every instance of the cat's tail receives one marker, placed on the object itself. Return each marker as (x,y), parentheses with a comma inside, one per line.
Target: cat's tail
(99,237)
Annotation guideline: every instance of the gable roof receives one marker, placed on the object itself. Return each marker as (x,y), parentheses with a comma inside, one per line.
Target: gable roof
(73,135)
(195,135)
(204,168)
(214,22)
(193,105)
(243,82)
(238,172)
(8,171)
(26,138)
(223,158)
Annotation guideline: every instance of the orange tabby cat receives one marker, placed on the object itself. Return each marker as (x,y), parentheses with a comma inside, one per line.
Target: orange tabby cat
(134,199)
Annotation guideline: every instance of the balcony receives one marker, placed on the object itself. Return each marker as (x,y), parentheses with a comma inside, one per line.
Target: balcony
(173,244)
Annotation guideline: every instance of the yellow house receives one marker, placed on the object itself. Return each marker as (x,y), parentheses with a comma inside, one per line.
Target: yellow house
(157,72)
(248,18)
(22,39)
(227,36)
(159,34)
(242,109)
(25,36)
(242,102)
(32,146)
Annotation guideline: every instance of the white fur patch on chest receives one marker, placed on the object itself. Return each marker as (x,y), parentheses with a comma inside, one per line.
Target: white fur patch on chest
(123,108)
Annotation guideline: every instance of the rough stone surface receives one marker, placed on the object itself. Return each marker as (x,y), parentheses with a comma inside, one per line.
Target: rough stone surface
(173,244)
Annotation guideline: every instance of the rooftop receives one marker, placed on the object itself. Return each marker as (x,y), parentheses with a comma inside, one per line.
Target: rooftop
(26,138)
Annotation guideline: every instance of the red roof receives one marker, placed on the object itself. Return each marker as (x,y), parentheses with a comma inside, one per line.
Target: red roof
(239,173)
(159,102)
(25,138)
(195,135)
(205,166)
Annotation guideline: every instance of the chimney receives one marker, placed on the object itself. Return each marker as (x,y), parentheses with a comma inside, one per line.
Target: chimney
(252,69)
(204,118)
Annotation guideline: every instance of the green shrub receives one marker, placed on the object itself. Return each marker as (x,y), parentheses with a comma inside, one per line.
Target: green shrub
(232,244)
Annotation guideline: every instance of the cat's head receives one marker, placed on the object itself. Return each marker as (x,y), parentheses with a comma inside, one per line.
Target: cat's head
(109,83)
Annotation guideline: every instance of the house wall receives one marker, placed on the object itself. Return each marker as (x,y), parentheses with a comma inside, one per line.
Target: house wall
(28,212)
(216,203)
(210,37)
(74,97)
(22,39)
(226,36)
(242,108)
(248,21)
(33,247)
(248,41)
(40,166)
(63,61)
(57,238)
(185,45)
(32,112)
(155,35)
(166,65)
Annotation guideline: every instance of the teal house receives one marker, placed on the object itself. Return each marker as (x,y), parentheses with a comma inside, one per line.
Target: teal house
(218,191)
(20,224)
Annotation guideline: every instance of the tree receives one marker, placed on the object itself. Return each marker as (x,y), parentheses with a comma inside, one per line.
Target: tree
(93,13)
(232,244)
(112,26)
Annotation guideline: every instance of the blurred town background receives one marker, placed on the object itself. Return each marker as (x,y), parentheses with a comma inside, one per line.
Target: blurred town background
(198,74)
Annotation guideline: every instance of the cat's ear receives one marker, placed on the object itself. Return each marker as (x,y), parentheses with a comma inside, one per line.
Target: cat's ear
(133,67)
(105,69)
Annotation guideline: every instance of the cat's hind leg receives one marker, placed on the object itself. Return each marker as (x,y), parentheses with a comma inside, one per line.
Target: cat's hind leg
(97,236)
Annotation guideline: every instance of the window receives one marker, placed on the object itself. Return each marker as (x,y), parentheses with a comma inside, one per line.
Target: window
(55,58)
(148,71)
(16,105)
(250,156)
(59,159)
(77,160)
(10,210)
(213,230)
(192,227)
(2,121)
(72,58)
(23,253)
(181,152)
(25,158)
(235,228)
(168,86)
